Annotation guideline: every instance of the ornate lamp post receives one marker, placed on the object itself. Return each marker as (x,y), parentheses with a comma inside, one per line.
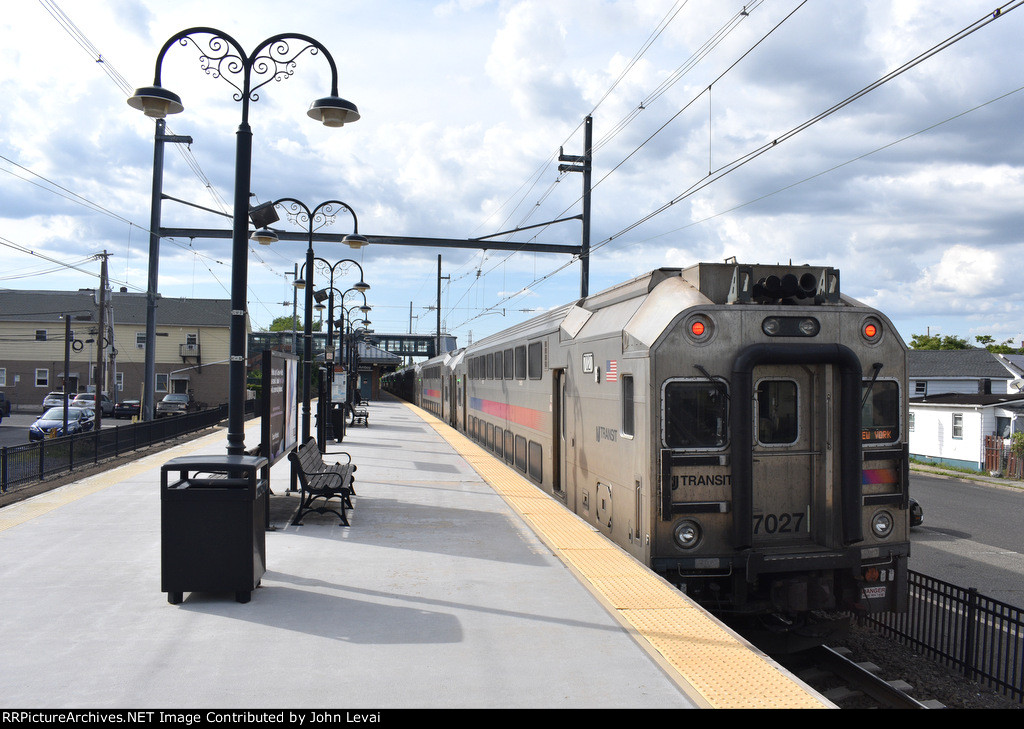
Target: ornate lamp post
(323,214)
(272,60)
(359,288)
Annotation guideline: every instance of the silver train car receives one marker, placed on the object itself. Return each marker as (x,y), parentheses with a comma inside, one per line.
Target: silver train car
(740,429)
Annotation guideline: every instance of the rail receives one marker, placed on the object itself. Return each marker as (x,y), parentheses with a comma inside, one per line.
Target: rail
(980,637)
(23,465)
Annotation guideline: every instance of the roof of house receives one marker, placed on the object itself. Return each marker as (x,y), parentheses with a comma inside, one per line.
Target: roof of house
(47,307)
(948,363)
(959,398)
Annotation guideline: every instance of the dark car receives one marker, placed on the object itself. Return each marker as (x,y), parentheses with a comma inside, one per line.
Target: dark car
(51,424)
(916,513)
(88,400)
(175,404)
(127,409)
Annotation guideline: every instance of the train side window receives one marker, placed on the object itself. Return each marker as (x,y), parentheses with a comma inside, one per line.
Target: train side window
(628,415)
(490,436)
(498,366)
(490,367)
(880,414)
(776,412)
(536,465)
(499,442)
(520,362)
(535,363)
(509,446)
(509,365)
(521,453)
(696,415)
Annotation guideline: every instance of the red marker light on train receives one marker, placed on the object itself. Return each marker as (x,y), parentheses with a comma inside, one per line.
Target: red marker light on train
(697,328)
(870,330)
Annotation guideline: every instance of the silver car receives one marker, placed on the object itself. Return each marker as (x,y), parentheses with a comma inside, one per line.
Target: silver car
(55,400)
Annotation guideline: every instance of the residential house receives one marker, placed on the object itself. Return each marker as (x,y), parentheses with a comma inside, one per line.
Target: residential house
(192,345)
(958,397)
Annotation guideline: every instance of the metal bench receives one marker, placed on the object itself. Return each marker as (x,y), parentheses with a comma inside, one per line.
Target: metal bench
(319,480)
(361,415)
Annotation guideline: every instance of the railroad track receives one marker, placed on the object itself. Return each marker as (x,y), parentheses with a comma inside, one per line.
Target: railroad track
(850,684)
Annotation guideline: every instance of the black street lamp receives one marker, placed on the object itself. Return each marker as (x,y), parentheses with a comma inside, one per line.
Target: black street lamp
(323,214)
(361,288)
(272,60)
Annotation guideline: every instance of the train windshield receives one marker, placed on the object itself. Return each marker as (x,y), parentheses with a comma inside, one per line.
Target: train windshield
(696,415)
(880,415)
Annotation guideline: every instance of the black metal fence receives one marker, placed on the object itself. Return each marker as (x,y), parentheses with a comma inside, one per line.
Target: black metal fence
(22,465)
(981,637)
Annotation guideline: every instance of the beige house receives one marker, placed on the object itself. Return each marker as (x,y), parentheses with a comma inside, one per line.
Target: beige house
(35,353)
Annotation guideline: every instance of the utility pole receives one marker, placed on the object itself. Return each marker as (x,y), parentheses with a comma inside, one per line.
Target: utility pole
(583,164)
(439,277)
(101,342)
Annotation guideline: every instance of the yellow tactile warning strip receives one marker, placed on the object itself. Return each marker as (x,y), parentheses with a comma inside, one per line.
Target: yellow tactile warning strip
(707,659)
(21,511)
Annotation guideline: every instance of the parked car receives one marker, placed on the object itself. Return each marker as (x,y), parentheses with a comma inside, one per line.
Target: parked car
(127,409)
(916,513)
(88,400)
(5,406)
(54,400)
(175,404)
(51,424)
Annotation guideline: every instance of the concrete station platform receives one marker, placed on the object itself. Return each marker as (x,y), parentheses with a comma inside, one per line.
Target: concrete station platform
(457,585)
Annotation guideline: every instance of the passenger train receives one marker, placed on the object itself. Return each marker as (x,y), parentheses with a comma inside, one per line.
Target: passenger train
(740,429)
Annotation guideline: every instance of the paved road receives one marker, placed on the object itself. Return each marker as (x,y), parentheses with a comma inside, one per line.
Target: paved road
(14,429)
(971,536)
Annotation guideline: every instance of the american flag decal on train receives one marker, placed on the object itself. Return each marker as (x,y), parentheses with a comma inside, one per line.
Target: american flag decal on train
(611,371)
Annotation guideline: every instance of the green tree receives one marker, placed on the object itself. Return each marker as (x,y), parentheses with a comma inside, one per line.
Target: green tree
(926,341)
(1005,347)
(287,324)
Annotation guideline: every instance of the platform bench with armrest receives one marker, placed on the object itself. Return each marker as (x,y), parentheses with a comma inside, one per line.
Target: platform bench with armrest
(319,480)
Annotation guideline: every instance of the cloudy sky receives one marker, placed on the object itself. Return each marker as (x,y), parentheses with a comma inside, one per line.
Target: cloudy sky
(915,189)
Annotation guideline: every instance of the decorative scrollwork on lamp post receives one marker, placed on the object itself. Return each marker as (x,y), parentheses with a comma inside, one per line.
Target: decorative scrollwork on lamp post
(221,56)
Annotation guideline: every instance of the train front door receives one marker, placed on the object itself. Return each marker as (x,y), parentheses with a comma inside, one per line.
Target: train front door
(790,412)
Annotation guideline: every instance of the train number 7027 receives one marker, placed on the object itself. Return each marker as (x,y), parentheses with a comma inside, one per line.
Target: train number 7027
(777,523)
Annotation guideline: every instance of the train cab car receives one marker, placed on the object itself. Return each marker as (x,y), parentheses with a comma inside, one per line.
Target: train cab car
(740,429)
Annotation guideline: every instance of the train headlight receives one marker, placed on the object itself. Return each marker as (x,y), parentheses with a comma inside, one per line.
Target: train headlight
(687,534)
(791,326)
(882,524)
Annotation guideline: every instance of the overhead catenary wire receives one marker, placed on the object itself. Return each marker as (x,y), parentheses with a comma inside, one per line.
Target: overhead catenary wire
(715,175)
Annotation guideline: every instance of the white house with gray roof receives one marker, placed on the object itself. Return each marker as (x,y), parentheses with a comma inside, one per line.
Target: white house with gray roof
(191,345)
(958,397)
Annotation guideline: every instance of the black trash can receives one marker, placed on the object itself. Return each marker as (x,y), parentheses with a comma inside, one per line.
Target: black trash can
(213,537)
(338,421)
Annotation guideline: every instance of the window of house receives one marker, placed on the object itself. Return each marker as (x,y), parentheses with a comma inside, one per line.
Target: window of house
(910,424)
(3,377)
(42,378)
(920,388)
(161,382)
(119,379)
(958,425)
(40,335)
